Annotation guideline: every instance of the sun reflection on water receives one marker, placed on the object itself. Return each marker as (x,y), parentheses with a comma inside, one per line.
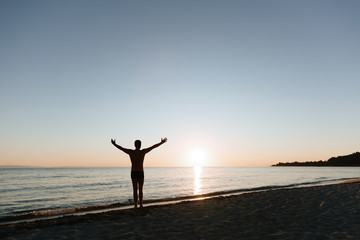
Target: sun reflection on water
(197,180)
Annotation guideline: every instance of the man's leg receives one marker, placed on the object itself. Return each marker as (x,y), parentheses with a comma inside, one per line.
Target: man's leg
(141,184)
(134,183)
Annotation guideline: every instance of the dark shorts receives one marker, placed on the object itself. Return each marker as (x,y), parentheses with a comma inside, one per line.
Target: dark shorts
(137,175)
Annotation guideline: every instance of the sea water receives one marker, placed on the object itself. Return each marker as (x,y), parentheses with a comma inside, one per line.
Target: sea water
(56,190)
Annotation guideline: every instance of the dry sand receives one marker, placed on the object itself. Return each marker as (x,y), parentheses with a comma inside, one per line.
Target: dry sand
(321,212)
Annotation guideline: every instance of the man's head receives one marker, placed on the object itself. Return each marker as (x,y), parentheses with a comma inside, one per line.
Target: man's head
(137,144)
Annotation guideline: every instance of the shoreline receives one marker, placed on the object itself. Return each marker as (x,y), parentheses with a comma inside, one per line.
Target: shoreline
(332,210)
(83,210)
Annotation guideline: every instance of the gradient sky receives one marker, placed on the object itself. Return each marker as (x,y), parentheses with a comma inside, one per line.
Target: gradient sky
(248,83)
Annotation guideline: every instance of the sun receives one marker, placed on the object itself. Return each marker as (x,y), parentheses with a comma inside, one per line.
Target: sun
(197,157)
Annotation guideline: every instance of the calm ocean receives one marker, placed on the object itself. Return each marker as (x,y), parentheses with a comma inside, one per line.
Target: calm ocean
(51,191)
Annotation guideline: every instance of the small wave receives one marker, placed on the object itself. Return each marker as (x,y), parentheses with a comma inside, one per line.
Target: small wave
(39,200)
(37,214)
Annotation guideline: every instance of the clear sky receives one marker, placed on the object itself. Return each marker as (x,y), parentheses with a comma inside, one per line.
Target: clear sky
(243,83)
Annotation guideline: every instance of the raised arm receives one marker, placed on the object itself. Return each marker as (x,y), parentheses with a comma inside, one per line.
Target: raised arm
(163,140)
(125,150)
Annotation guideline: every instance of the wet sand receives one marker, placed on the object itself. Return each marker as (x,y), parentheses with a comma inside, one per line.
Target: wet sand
(320,212)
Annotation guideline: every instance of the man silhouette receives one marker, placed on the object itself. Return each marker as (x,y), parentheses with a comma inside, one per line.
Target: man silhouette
(137,166)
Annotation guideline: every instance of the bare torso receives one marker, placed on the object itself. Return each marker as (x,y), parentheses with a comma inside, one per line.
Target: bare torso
(137,159)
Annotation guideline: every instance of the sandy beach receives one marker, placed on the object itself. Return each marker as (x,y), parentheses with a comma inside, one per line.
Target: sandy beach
(320,212)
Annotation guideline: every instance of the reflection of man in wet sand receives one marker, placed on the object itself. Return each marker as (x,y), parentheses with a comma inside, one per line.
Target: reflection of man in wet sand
(137,166)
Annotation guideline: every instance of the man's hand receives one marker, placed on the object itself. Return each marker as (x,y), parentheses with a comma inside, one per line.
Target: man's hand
(113,141)
(163,140)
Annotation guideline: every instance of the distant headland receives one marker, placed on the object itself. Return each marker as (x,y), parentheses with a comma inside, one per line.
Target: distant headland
(352,160)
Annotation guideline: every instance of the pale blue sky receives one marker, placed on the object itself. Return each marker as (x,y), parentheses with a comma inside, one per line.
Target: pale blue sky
(250,83)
